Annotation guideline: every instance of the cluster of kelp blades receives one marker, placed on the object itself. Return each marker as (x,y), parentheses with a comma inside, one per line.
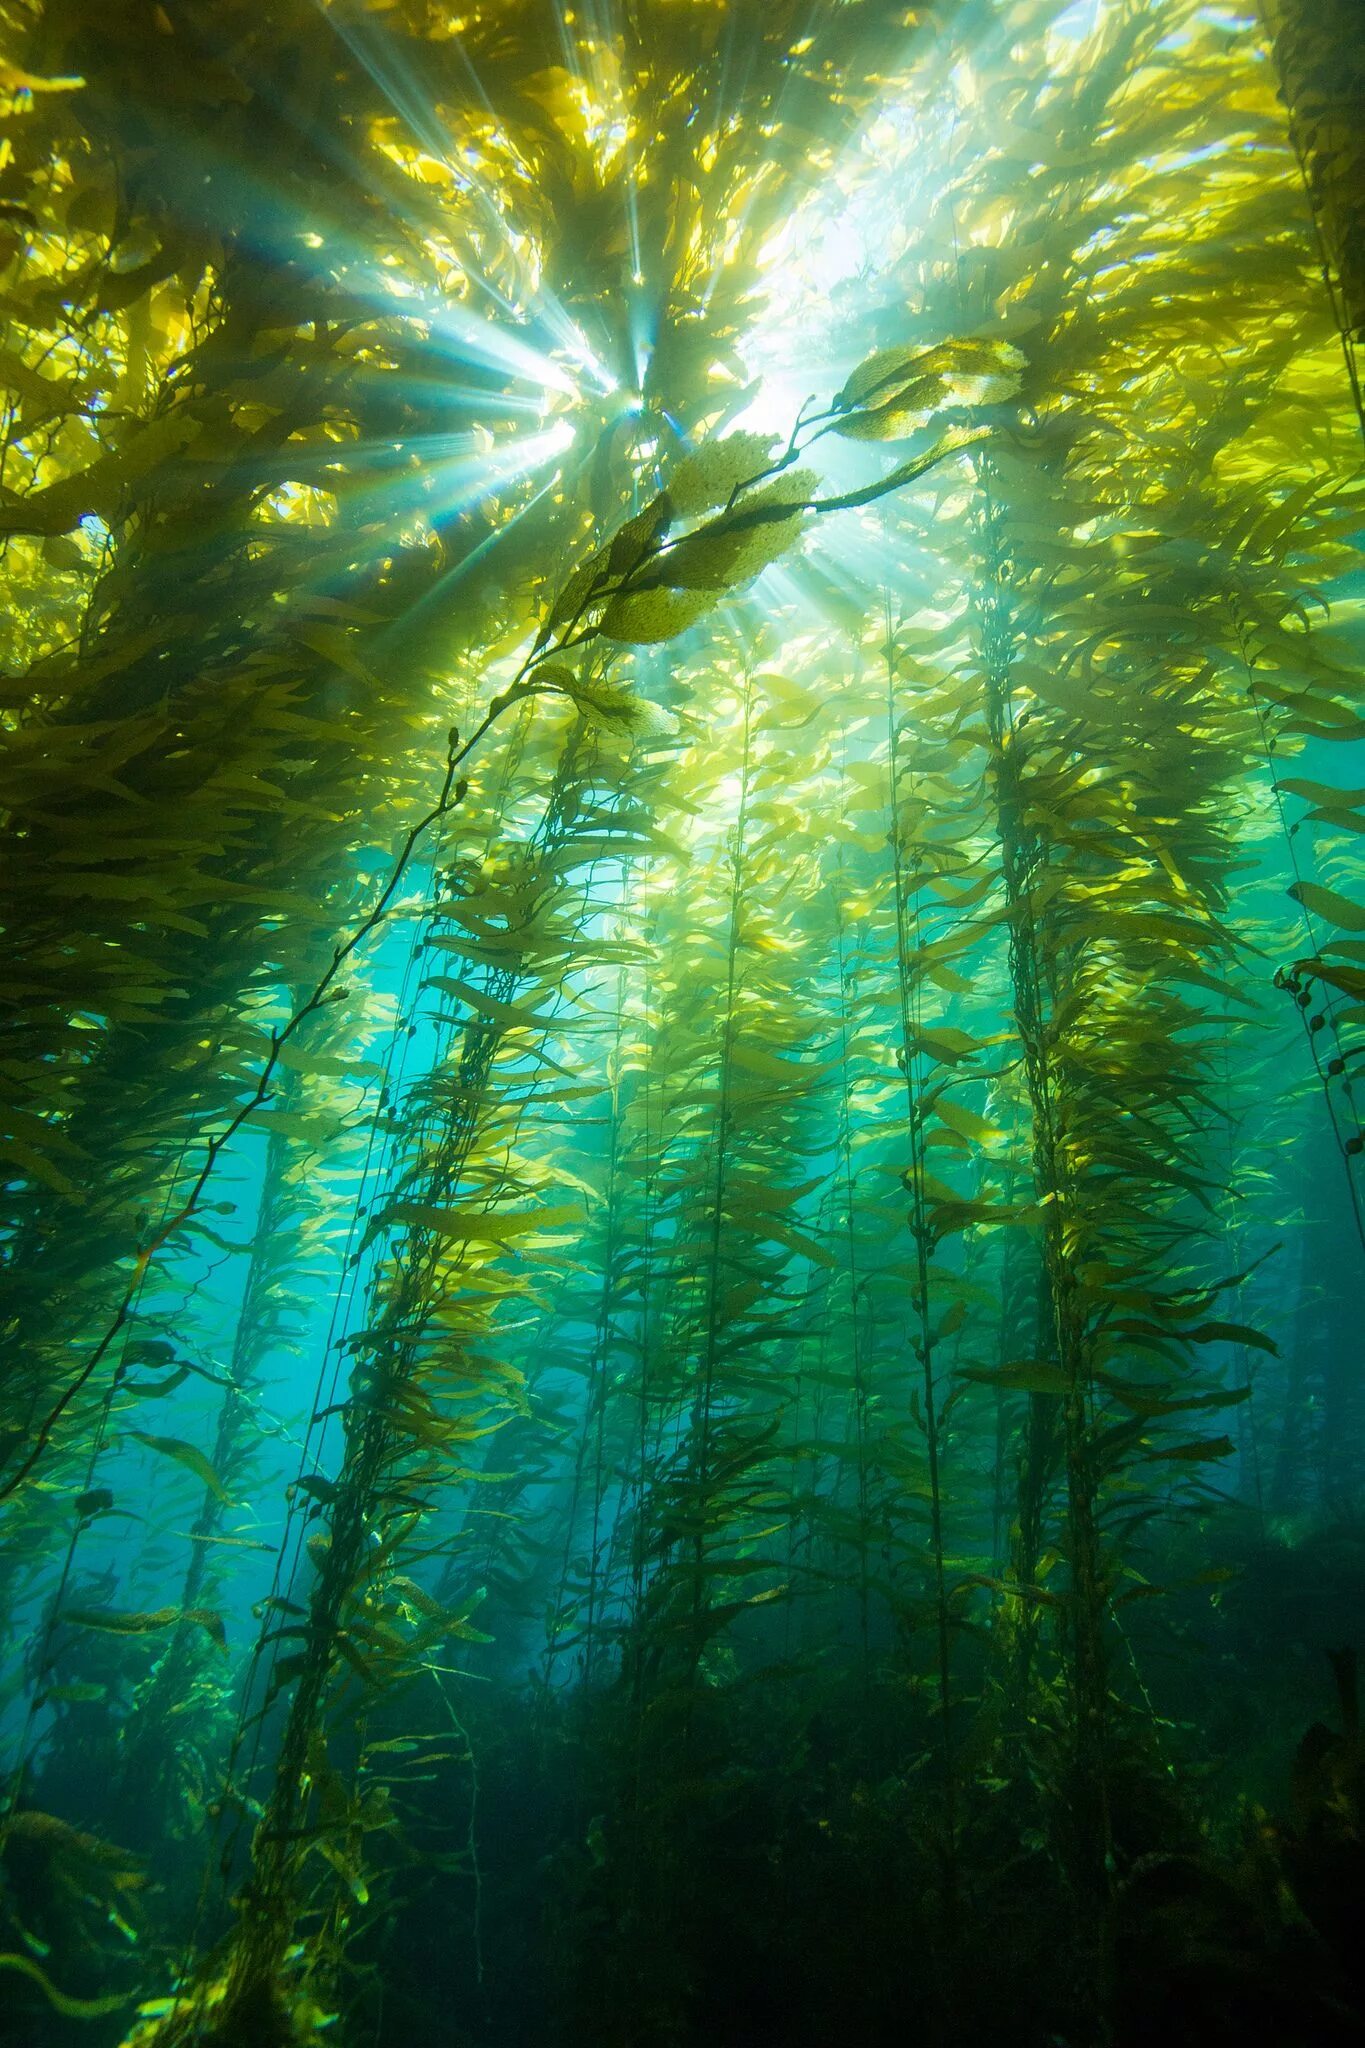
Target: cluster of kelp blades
(801,1227)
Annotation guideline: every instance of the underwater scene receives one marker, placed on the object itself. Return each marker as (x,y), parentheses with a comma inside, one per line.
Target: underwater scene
(682,1023)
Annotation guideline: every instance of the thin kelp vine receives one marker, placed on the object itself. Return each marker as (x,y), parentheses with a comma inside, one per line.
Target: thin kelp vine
(916,1058)
(680,1145)
(419,1395)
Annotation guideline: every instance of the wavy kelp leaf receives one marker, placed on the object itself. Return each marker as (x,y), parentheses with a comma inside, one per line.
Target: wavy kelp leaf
(347,1867)
(154,1351)
(647,617)
(456,1622)
(677,586)
(730,550)
(345,1643)
(485,1226)
(764,1225)
(1233,1333)
(1157,1400)
(155,1390)
(964,1122)
(1322,793)
(185,1454)
(1350,980)
(508,1016)
(770,1066)
(1328,904)
(604,703)
(113,1623)
(883,374)
(947,1044)
(82,1692)
(638,538)
(1337,817)
(907,472)
(61,2001)
(36,1164)
(1024,1376)
(897,390)
(709,475)
(579,605)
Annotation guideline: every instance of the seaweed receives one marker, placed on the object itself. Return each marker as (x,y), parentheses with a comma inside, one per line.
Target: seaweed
(679,1089)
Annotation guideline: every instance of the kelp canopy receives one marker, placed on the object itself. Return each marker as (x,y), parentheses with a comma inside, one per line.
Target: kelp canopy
(683,999)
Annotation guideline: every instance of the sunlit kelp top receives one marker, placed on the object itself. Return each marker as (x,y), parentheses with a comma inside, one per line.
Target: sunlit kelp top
(684,966)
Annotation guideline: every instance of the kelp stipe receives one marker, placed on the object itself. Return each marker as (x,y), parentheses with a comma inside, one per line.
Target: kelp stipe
(400,1430)
(917,1058)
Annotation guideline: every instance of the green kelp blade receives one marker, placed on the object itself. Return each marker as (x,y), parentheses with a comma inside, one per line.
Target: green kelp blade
(485,1226)
(185,1454)
(60,2001)
(1350,980)
(1233,1333)
(1020,1376)
(1199,1451)
(1327,903)
(116,1624)
(709,475)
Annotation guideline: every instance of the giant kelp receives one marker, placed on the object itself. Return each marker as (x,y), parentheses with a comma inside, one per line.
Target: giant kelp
(691,1014)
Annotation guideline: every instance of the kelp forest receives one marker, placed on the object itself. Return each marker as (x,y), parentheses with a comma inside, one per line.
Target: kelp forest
(682,1023)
